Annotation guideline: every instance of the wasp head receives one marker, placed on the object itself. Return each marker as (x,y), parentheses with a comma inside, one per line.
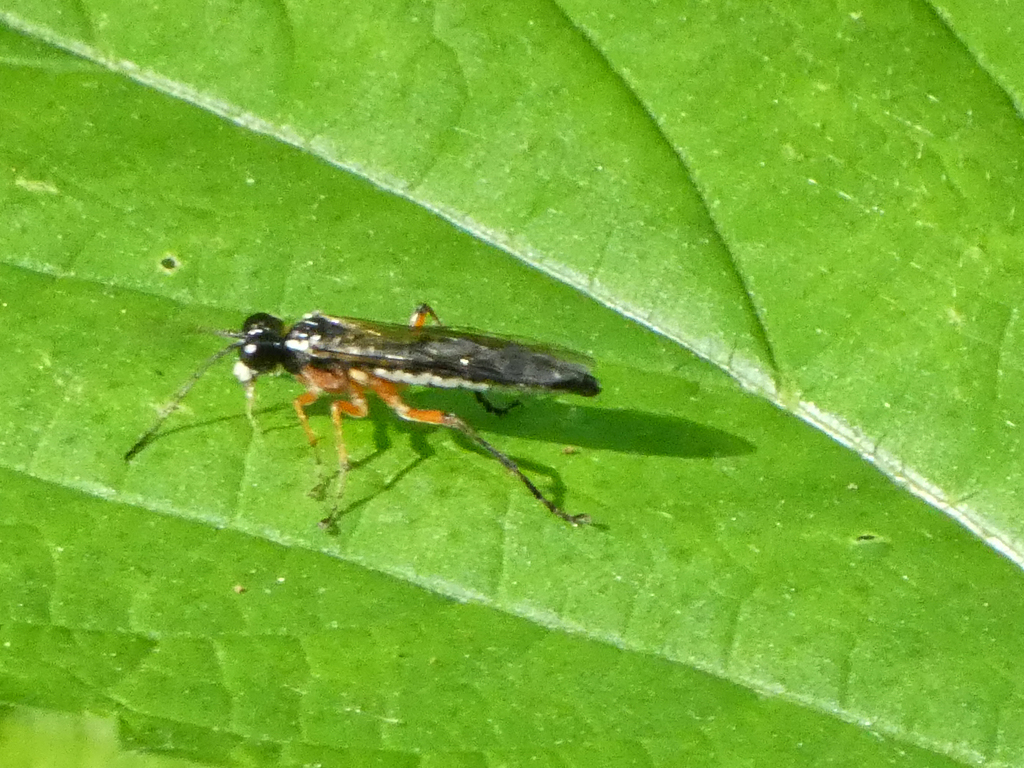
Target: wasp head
(262,347)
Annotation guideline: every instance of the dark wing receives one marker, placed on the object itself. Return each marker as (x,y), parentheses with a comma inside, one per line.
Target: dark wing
(442,356)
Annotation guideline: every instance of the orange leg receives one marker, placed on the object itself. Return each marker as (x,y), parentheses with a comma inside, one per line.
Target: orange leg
(300,403)
(319,382)
(388,392)
(356,407)
(419,317)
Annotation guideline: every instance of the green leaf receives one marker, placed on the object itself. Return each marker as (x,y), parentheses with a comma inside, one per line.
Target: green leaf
(816,204)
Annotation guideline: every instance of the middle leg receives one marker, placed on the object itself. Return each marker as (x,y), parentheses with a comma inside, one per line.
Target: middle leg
(357,408)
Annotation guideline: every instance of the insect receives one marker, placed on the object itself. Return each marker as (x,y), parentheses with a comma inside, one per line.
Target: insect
(346,357)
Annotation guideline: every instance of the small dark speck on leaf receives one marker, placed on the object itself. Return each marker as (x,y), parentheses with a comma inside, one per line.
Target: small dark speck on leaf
(169,263)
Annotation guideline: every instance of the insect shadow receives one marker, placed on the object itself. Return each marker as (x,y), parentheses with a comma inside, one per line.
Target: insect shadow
(621,430)
(582,427)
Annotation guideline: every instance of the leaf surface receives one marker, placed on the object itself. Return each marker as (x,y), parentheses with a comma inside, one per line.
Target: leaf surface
(810,212)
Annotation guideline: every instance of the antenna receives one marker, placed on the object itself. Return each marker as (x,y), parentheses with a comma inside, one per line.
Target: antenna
(147,436)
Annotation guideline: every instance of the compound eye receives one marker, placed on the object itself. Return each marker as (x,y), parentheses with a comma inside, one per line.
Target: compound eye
(261,322)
